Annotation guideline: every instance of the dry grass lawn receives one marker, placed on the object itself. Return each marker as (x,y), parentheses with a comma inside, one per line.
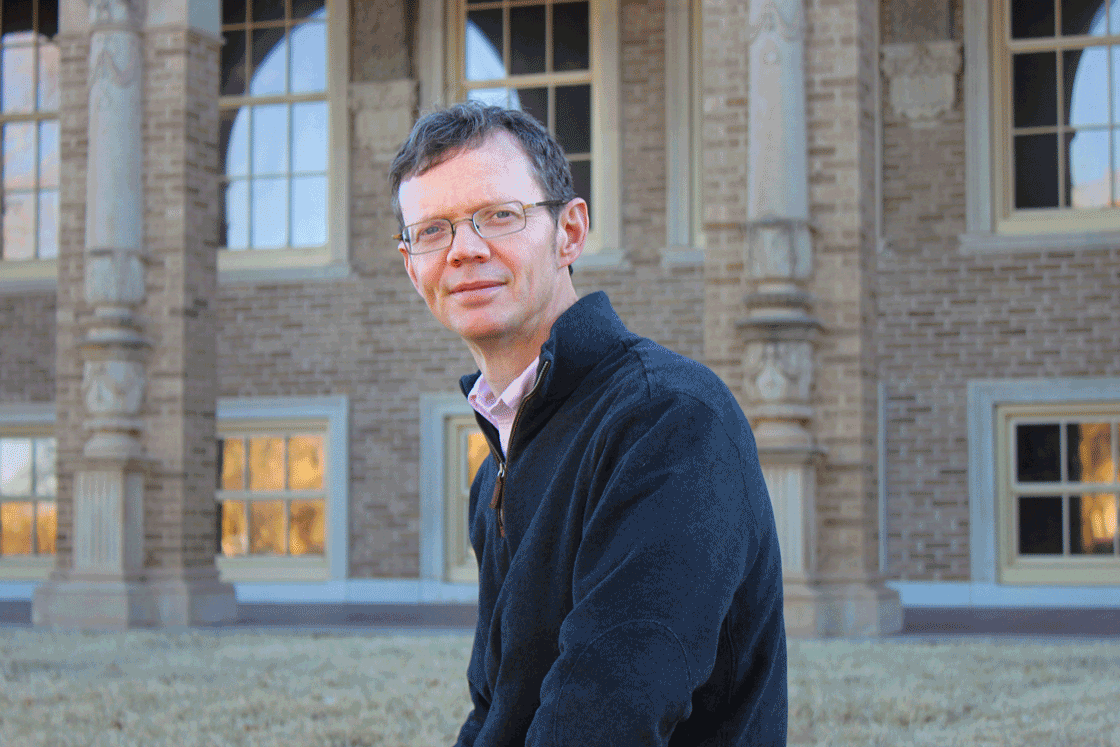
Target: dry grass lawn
(202,689)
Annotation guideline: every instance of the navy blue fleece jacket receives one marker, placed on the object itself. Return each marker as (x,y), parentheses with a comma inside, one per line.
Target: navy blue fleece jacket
(630,586)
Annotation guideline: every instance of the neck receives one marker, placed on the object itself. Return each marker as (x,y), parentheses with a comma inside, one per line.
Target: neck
(502,360)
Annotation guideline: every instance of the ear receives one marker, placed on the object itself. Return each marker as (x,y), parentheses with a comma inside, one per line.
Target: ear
(409,268)
(571,232)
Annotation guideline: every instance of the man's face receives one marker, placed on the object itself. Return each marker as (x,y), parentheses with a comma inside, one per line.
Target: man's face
(501,290)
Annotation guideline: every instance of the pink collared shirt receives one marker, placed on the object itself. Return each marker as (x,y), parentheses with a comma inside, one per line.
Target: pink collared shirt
(501,410)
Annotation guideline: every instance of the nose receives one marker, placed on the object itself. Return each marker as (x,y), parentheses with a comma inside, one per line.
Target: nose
(466,244)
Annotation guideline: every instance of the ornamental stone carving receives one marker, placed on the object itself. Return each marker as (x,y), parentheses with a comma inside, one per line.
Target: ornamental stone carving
(383,115)
(922,78)
(113,387)
(778,371)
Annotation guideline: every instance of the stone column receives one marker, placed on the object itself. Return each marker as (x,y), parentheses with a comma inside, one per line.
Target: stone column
(779,329)
(108,582)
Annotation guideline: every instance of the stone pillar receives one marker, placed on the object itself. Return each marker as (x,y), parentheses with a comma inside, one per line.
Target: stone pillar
(109,579)
(779,329)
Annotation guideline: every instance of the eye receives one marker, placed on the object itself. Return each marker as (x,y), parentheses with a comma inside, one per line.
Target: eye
(429,230)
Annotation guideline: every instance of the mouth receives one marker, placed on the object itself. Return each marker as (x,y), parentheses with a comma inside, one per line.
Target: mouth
(475,286)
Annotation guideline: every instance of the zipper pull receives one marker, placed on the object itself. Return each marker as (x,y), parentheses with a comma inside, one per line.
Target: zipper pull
(496,500)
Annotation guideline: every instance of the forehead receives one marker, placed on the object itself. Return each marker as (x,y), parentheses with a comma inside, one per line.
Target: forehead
(496,170)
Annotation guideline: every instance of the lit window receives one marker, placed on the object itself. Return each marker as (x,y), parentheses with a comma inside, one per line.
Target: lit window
(1058,83)
(467,449)
(272,495)
(540,59)
(1061,495)
(29,129)
(28,485)
(274,124)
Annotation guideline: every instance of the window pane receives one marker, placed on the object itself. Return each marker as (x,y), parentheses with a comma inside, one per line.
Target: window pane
(233,144)
(1092,524)
(19,155)
(270,139)
(305,463)
(308,529)
(309,210)
(532,101)
(266,463)
(1089,175)
(1089,452)
(1031,18)
(235,534)
(1081,17)
(48,77)
(16,68)
(526,39)
(1085,73)
(571,37)
(1114,18)
(573,118)
(581,182)
(236,215)
(17,23)
(48,223)
(48,153)
(308,9)
(309,58)
(1035,80)
(15,466)
(484,45)
(45,482)
(19,226)
(491,96)
(233,11)
(46,527)
(233,63)
(15,528)
(309,137)
(233,464)
(1040,525)
(477,451)
(270,213)
(1038,452)
(1036,171)
(48,18)
(266,527)
(268,10)
(270,62)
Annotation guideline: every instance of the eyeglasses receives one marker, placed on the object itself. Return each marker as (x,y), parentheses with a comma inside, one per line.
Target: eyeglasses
(489,222)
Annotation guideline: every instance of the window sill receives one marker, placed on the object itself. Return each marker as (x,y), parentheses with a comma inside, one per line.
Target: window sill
(272,265)
(273,569)
(26,567)
(993,243)
(616,259)
(28,276)
(1083,571)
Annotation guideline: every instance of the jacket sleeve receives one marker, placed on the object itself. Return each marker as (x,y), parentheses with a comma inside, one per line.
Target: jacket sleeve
(670,524)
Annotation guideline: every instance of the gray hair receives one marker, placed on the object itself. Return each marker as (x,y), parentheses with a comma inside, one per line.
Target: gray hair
(444,133)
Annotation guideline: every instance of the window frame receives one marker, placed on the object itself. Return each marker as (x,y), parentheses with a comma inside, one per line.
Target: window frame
(1046,569)
(34,420)
(684,231)
(988,515)
(992,224)
(328,415)
(441,416)
(34,274)
(440,41)
(331,260)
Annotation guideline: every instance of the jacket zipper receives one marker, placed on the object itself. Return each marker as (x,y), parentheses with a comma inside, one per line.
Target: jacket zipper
(499,485)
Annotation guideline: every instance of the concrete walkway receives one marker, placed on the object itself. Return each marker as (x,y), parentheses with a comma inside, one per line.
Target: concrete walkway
(921,622)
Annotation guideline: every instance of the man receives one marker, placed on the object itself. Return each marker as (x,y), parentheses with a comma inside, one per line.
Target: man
(629,577)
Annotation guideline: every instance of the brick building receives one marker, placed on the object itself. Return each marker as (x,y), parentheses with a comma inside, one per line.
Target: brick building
(893,228)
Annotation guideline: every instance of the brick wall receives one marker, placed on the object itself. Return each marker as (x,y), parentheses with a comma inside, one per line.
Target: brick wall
(27,348)
(181,214)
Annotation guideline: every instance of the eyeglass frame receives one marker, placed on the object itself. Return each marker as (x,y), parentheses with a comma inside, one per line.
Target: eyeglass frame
(524,207)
